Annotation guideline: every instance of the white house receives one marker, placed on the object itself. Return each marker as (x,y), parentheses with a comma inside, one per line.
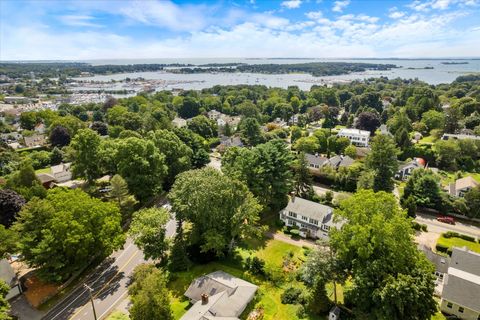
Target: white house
(461,186)
(357,137)
(179,122)
(313,219)
(214,115)
(450,136)
(405,170)
(62,172)
(461,285)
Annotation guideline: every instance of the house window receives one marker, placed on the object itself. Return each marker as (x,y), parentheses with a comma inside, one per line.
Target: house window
(460,309)
(292,214)
(313,221)
(449,305)
(304,218)
(325,227)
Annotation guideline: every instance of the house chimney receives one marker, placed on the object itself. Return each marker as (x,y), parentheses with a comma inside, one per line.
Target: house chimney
(292,196)
(204,298)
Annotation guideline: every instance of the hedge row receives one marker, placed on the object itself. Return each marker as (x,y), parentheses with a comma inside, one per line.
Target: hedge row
(451,234)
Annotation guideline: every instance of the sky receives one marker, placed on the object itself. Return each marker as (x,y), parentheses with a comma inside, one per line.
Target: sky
(86,30)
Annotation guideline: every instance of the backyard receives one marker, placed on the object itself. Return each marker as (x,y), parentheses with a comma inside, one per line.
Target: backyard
(281,261)
(458,242)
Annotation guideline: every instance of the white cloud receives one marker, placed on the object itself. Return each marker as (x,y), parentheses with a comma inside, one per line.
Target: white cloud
(396,14)
(292,4)
(78,21)
(314,15)
(340,5)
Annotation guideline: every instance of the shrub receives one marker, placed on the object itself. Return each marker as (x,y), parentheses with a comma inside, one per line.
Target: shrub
(301,312)
(441,248)
(424,227)
(255,265)
(292,295)
(295,232)
(416,226)
(279,223)
(451,234)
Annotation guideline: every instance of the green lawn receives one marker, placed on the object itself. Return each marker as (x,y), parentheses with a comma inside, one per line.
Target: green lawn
(44,170)
(117,315)
(438,316)
(448,177)
(457,242)
(268,295)
(427,140)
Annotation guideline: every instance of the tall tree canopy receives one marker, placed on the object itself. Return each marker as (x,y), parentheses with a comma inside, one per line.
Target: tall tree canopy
(59,136)
(141,164)
(148,231)
(10,204)
(391,278)
(265,169)
(383,161)
(85,146)
(221,210)
(61,233)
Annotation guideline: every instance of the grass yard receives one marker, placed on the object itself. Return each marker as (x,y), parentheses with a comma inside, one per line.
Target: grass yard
(118,315)
(448,177)
(427,140)
(44,170)
(458,242)
(268,295)
(438,316)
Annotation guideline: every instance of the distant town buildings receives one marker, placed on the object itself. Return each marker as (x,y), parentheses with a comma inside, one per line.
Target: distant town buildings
(36,140)
(357,137)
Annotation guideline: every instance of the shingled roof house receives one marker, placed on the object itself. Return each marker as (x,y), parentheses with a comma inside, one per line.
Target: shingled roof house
(461,186)
(461,288)
(218,296)
(313,219)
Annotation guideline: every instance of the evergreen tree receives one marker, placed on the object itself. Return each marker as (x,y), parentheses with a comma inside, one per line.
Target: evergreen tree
(303,178)
(383,161)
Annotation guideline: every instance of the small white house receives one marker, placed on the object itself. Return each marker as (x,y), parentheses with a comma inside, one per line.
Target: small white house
(62,172)
(179,122)
(405,170)
(357,137)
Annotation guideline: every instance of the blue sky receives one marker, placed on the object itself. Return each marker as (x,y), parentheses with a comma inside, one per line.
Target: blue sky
(76,30)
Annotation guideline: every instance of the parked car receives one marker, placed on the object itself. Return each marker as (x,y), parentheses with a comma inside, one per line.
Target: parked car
(448,220)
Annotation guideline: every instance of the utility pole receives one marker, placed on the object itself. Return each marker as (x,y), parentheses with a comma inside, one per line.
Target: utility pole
(90,290)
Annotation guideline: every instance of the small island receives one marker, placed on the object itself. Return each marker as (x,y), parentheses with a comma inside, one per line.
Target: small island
(455,62)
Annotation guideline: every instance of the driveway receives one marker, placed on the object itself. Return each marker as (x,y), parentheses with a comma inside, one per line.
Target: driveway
(435,226)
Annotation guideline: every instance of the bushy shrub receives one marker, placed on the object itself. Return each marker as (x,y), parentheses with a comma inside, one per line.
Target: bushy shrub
(293,295)
(295,232)
(255,265)
(451,234)
(424,227)
(441,248)
(416,226)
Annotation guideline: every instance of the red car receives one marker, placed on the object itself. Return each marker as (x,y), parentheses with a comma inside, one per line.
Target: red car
(448,220)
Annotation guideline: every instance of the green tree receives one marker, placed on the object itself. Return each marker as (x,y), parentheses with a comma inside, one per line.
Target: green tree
(307,145)
(472,199)
(383,161)
(120,195)
(424,187)
(351,151)
(410,205)
(148,231)
(447,152)
(56,156)
(60,234)
(10,204)
(141,164)
(149,294)
(203,126)
(402,139)
(251,131)
(433,119)
(391,278)
(303,185)
(177,154)
(221,210)
(85,146)
(59,137)
(296,133)
(4,305)
(8,242)
(265,169)
(28,120)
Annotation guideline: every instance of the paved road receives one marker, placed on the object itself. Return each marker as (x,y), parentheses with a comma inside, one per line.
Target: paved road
(109,283)
(322,190)
(435,226)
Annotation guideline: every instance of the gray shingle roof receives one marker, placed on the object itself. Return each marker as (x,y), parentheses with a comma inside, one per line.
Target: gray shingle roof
(462,283)
(315,159)
(227,297)
(7,273)
(309,209)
